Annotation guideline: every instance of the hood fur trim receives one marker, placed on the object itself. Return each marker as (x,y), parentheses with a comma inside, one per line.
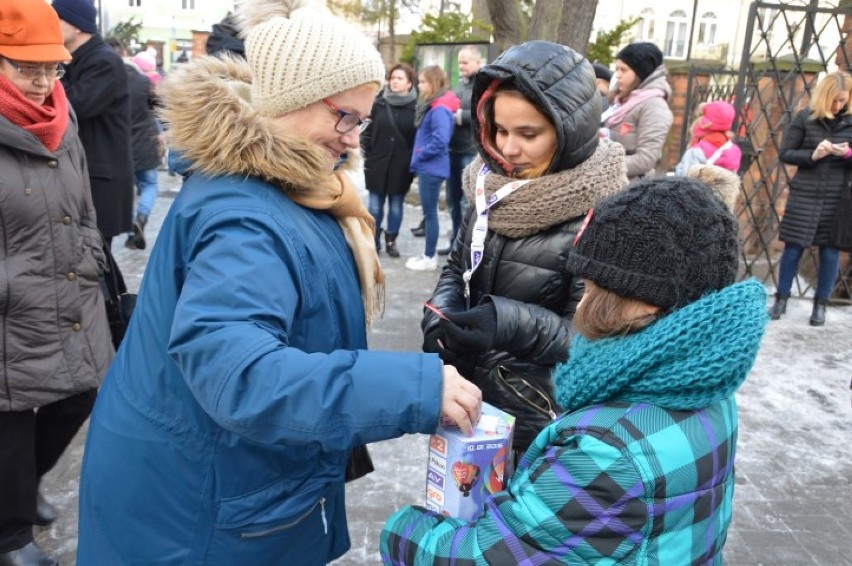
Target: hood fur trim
(724,184)
(212,123)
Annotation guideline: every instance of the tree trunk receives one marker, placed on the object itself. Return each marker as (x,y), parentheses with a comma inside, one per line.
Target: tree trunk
(505,19)
(392,29)
(479,9)
(575,26)
(546,17)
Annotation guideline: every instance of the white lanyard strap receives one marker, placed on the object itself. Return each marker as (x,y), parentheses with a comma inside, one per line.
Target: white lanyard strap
(480,227)
(718,153)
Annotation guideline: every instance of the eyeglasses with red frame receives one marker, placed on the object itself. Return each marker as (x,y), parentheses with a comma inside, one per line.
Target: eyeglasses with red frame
(347,121)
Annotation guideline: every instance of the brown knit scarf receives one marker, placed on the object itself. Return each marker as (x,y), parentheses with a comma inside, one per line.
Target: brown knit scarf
(554,198)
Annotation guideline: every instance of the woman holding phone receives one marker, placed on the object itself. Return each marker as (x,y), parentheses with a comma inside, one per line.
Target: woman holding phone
(817,142)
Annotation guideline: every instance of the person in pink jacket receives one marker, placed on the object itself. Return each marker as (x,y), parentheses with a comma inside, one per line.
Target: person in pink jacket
(712,139)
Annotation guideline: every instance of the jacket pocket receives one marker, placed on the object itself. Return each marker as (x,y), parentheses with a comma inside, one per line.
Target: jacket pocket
(250,533)
(100,170)
(283,505)
(280,524)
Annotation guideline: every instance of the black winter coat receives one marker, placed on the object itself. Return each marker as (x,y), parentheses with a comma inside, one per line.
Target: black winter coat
(387,156)
(144,136)
(96,86)
(534,295)
(816,186)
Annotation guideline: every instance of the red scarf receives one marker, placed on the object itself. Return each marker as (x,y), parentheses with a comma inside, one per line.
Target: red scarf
(47,121)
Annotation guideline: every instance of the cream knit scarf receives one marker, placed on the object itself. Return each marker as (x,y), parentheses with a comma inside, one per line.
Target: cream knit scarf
(554,198)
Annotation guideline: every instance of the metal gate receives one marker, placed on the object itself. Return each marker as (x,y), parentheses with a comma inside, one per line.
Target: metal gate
(787,49)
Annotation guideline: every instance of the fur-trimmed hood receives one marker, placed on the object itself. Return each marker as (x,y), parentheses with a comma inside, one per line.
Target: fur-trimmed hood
(723,183)
(211,122)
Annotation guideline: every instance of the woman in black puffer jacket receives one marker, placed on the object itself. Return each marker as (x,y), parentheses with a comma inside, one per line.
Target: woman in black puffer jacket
(818,141)
(535,120)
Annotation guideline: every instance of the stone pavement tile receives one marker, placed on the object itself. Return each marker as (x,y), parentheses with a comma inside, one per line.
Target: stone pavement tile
(775,548)
(826,547)
(735,552)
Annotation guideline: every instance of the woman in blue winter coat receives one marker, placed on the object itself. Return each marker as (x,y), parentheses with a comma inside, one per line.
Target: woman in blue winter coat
(640,468)
(222,432)
(431,158)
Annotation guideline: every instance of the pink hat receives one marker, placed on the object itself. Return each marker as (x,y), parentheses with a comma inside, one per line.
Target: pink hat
(154,77)
(146,61)
(717,116)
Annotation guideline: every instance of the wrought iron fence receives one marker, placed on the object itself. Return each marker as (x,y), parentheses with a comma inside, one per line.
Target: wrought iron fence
(787,48)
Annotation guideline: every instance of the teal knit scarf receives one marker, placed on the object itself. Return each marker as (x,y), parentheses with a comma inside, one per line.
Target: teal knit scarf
(688,359)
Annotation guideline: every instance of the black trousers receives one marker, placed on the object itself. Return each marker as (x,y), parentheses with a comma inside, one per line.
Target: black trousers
(31,443)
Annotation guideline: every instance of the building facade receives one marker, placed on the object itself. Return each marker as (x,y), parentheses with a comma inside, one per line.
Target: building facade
(167,25)
(708,30)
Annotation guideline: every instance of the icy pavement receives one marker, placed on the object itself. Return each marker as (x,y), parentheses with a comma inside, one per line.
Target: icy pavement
(793,501)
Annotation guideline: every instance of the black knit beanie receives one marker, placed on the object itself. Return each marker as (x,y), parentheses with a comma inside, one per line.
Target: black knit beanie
(642,57)
(665,241)
(81,14)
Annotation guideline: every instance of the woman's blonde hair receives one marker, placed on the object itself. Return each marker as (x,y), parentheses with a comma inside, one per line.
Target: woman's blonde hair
(436,78)
(603,314)
(490,127)
(827,89)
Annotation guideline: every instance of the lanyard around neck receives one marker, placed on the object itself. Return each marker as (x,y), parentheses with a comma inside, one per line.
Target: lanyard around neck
(480,228)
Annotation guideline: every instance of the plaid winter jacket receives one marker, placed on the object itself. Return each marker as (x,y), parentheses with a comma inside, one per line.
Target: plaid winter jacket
(616,483)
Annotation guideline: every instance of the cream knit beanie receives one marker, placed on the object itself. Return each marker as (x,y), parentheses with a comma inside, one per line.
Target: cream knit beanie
(299,53)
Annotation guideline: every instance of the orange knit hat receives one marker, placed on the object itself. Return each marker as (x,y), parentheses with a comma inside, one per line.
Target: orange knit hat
(29,31)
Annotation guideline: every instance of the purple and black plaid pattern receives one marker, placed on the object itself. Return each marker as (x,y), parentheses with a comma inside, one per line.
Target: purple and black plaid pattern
(611,484)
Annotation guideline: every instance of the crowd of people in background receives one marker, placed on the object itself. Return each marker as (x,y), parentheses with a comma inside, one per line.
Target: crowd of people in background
(550,167)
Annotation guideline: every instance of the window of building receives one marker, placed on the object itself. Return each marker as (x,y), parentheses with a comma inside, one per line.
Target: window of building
(187,4)
(645,25)
(134,3)
(707,29)
(675,44)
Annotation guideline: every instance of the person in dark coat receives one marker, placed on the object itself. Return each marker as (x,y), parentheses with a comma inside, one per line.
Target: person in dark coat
(54,338)
(145,137)
(145,141)
(224,38)
(387,144)
(508,295)
(462,148)
(817,141)
(603,76)
(96,85)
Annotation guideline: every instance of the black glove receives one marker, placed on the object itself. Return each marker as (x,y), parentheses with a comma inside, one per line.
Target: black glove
(473,331)
(435,342)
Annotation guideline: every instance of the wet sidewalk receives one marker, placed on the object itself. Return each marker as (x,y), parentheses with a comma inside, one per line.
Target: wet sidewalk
(793,500)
